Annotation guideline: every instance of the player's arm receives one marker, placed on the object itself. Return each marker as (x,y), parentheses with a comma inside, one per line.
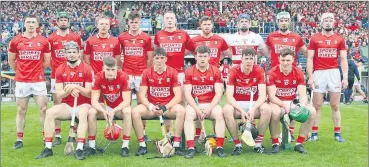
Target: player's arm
(60,93)
(344,65)
(117,54)
(87,53)
(226,53)
(119,62)
(125,103)
(86,58)
(303,49)
(231,100)
(177,97)
(265,51)
(218,87)
(301,89)
(262,96)
(47,56)
(95,96)
(11,60)
(309,63)
(150,55)
(272,90)
(142,97)
(188,96)
(85,91)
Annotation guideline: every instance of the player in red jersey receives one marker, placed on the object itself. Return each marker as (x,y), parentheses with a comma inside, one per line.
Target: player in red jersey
(73,80)
(159,86)
(174,42)
(323,72)
(203,81)
(112,84)
(29,54)
(57,40)
(225,68)
(218,46)
(284,38)
(244,38)
(137,53)
(243,79)
(101,45)
(283,83)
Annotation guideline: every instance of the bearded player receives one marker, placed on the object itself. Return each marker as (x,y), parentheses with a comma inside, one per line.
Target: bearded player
(73,80)
(203,81)
(324,75)
(29,54)
(57,40)
(112,84)
(243,79)
(160,95)
(283,83)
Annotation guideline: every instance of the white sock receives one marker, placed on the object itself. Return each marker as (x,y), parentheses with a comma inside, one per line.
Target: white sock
(80,146)
(298,144)
(48,145)
(126,143)
(73,135)
(58,136)
(176,144)
(92,143)
(20,140)
(238,145)
(142,144)
(257,144)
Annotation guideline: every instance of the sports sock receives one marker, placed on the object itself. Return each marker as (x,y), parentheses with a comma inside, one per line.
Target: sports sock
(92,141)
(126,141)
(259,140)
(237,143)
(314,131)
(141,142)
(57,132)
(337,131)
(292,129)
(275,141)
(220,142)
(190,144)
(81,142)
(300,140)
(176,141)
(48,142)
(19,136)
(198,133)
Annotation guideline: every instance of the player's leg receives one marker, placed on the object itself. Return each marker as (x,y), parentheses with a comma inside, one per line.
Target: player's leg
(126,117)
(304,130)
(190,116)
(61,112)
(230,116)
(22,106)
(291,128)
(177,112)
(263,113)
(217,115)
(93,116)
(41,102)
(138,113)
(358,88)
(274,126)
(58,139)
(82,129)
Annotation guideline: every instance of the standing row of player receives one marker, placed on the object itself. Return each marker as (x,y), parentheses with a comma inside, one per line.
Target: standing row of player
(29,54)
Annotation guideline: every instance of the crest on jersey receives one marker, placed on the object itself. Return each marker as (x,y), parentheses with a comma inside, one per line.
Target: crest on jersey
(254,80)
(103,45)
(118,86)
(103,86)
(293,40)
(286,82)
(285,39)
(111,87)
(294,82)
(211,78)
(111,46)
(72,74)
(170,37)
(202,78)
(80,74)
(168,79)
(179,37)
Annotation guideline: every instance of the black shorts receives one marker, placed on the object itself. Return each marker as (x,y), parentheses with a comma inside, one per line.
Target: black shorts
(350,84)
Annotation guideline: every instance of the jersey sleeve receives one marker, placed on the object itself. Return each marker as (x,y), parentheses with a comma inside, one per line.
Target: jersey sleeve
(191,45)
(124,80)
(224,46)
(261,76)
(261,42)
(88,48)
(270,79)
(117,49)
(149,46)
(342,45)
(188,76)
(300,42)
(12,47)
(232,76)
(58,75)
(156,40)
(79,42)
(218,76)
(301,78)
(267,41)
(89,73)
(97,84)
(187,37)
(312,44)
(174,77)
(144,81)
(47,48)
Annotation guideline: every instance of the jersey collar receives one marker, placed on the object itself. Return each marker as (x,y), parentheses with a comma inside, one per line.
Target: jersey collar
(57,32)
(288,32)
(98,36)
(35,34)
(207,68)
(241,67)
(165,68)
(139,33)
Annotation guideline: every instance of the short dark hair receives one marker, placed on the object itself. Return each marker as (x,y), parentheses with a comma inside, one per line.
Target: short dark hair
(205,18)
(160,52)
(110,61)
(134,15)
(202,49)
(31,16)
(285,52)
(248,52)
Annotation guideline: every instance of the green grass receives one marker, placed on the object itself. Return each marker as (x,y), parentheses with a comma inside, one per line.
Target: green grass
(324,152)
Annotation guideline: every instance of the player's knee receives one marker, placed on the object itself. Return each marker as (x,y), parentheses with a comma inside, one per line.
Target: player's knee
(190,113)
(218,113)
(180,111)
(335,107)
(276,114)
(265,110)
(136,115)
(22,109)
(312,114)
(127,111)
(43,108)
(83,113)
(228,110)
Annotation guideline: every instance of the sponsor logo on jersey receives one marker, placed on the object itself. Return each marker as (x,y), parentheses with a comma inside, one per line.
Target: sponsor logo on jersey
(59,53)
(160,91)
(99,56)
(73,83)
(286,82)
(133,51)
(278,48)
(286,92)
(112,97)
(171,47)
(327,52)
(214,52)
(246,90)
(202,89)
(29,55)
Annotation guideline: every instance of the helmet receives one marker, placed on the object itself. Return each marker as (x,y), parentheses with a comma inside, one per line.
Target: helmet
(212,142)
(283,14)
(62,14)
(327,15)
(116,132)
(244,16)
(71,45)
(299,113)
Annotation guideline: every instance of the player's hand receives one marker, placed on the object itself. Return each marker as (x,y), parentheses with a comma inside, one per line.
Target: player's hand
(311,83)
(286,108)
(344,83)
(199,114)
(69,87)
(106,116)
(111,116)
(158,112)
(206,112)
(243,116)
(75,92)
(250,115)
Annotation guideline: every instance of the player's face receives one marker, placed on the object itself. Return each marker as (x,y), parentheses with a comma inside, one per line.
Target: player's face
(202,59)
(31,24)
(134,24)
(110,72)
(248,61)
(159,61)
(243,25)
(63,23)
(328,24)
(206,26)
(72,55)
(170,20)
(283,24)
(286,62)
(103,25)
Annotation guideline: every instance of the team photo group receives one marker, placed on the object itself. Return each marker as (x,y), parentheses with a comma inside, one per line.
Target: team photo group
(94,81)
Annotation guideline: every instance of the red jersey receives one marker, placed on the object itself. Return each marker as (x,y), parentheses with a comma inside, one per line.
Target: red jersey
(112,90)
(79,75)
(57,48)
(203,83)
(216,44)
(277,41)
(98,48)
(174,44)
(135,50)
(225,71)
(160,86)
(326,50)
(286,85)
(29,57)
(243,83)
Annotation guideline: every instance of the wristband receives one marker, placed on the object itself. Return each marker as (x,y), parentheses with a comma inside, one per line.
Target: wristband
(151,106)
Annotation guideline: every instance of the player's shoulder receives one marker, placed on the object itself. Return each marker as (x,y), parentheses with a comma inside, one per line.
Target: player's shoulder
(181,31)
(273,70)
(297,70)
(41,38)
(214,68)
(171,69)
(52,36)
(122,74)
(217,37)
(86,66)
(147,71)
(61,67)
(293,34)
(258,68)
(17,38)
(190,69)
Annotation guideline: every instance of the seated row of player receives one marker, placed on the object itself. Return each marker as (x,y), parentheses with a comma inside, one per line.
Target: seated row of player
(160,86)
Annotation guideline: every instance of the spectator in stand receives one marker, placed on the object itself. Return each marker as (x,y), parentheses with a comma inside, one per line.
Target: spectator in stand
(5,66)
(4,86)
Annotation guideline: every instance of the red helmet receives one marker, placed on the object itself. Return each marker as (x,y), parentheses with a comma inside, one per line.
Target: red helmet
(116,132)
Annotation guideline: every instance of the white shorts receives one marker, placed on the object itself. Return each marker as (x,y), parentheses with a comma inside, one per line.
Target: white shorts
(181,77)
(245,105)
(329,79)
(52,88)
(288,103)
(134,82)
(70,109)
(24,89)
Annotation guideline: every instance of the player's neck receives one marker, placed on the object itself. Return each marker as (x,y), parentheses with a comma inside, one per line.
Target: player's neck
(244,33)
(134,33)
(285,71)
(103,35)
(202,69)
(327,33)
(170,29)
(29,34)
(160,70)
(206,35)
(62,32)
(245,70)
(75,64)
(284,33)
